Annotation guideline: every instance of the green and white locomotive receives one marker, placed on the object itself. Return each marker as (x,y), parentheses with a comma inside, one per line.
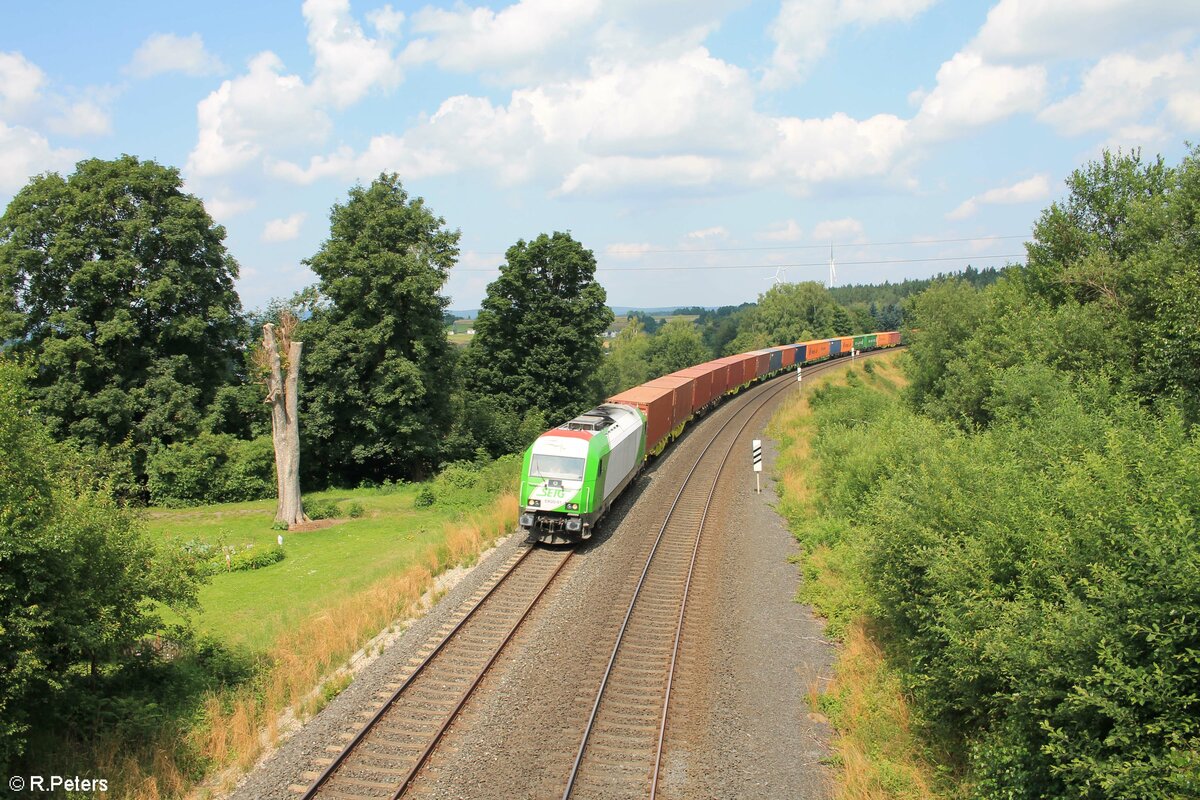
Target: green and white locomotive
(572,474)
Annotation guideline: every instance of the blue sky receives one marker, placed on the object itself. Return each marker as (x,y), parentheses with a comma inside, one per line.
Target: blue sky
(697,147)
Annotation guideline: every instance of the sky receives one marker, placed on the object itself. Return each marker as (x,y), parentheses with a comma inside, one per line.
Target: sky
(702,149)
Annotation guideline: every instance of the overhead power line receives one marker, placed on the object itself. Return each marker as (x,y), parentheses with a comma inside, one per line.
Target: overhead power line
(694,267)
(635,251)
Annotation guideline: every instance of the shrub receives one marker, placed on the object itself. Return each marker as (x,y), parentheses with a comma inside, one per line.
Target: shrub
(212,468)
(256,558)
(322,509)
(425,497)
(354,510)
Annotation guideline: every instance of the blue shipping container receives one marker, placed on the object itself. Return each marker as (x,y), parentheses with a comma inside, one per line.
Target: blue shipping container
(835,347)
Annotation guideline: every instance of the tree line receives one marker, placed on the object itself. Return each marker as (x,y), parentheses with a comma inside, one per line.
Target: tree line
(117,293)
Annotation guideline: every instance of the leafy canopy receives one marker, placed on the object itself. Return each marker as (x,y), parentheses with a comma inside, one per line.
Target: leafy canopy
(119,286)
(537,346)
(377,366)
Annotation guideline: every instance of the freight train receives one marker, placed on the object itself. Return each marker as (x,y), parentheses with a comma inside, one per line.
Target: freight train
(571,475)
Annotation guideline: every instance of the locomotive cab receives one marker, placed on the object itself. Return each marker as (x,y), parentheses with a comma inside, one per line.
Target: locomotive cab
(568,476)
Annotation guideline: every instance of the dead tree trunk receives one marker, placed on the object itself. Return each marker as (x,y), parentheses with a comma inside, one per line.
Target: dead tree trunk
(285,428)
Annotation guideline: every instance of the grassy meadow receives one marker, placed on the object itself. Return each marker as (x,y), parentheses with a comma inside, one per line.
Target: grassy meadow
(276,639)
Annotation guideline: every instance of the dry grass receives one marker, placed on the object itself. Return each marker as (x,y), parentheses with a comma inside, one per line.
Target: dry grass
(881,757)
(238,725)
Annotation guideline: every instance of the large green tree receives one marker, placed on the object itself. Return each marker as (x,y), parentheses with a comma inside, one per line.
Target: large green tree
(377,376)
(537,346)
(119,286)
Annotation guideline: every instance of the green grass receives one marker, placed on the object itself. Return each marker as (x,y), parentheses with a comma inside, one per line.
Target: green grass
(249,609)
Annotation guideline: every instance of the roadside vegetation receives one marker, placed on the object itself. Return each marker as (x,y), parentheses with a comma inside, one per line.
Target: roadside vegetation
(1016,532)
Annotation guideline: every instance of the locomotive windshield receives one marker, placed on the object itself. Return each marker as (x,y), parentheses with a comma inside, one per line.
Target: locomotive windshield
(561,467)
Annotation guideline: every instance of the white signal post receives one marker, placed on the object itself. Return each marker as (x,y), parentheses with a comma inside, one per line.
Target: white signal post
(756,453)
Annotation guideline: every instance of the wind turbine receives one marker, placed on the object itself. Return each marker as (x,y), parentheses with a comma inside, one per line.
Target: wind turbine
(779,277)
(832,267)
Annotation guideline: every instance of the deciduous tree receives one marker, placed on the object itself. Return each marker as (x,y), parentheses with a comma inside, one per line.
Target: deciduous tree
(377,377)
(537,343)
(119,285)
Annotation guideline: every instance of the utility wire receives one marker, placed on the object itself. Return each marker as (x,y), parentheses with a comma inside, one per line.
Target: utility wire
(653,251)
(777,266)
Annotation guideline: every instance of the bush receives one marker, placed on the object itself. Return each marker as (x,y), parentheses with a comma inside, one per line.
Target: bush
(354,510)
(425,497)
(322,509)
(256,558)
(212,468)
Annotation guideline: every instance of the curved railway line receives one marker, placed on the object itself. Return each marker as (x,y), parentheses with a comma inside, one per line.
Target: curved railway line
(620,751)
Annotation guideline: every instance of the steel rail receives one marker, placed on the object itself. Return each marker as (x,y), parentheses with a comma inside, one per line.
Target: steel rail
(353,744)
(763,397)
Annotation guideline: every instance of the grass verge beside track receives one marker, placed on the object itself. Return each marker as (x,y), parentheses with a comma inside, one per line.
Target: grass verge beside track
(276,639)
(878,754)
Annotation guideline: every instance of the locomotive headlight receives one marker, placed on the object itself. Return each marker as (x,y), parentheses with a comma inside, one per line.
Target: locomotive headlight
(535,503)
(572,506)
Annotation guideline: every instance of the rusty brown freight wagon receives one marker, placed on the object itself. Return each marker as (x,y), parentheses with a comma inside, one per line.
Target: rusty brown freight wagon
(685,395)
(702,391)
(658,404)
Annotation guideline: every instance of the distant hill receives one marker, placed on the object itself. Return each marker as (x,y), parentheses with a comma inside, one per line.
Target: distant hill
(619,311)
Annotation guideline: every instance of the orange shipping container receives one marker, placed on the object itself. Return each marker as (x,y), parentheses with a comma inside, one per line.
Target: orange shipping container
(737,371)
(847,344)
(720,376)
(658,404)
(816,349)
(702,391)
(789,355)
(685,395)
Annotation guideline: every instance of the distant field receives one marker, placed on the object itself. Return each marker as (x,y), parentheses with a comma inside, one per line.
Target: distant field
(620,322)
(252,608)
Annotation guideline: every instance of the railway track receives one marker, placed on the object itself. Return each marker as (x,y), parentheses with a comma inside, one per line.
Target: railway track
(621,748)
(382,759)
(620,753)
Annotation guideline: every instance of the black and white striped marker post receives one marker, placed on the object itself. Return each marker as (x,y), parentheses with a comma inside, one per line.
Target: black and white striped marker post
(756,452)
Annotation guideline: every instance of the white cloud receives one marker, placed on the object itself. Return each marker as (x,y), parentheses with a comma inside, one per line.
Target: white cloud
(222,207)
(21,83)
(971,93)
(251,112)
(1120,89)
(833,148)
(167,52)
(628,250)
(1026,191)
(705,234)
(1184,106)
(28,153)
(348,62)
(386,20)
(786,231)
(283,230)
(803,28)
(839,231)
(608,174)
(267,113)
(1031,30)
(85,118)
(470,39)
